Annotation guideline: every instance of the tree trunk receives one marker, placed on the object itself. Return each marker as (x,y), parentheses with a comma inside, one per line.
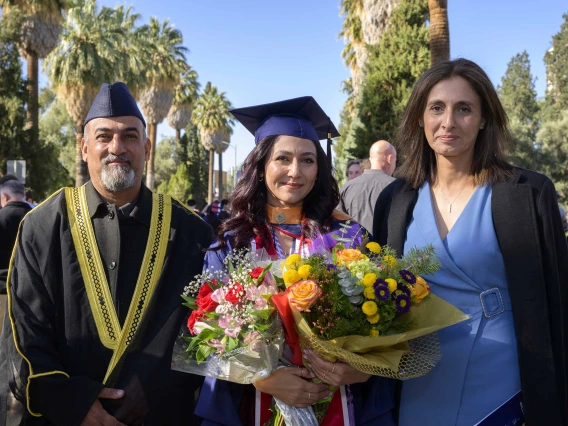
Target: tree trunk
(210,187)
(439,31)
(32,86)
(178,137)
(220,176)
(81,170)
(152,133)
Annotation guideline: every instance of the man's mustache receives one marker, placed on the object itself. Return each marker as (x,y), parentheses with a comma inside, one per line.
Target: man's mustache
(111,157)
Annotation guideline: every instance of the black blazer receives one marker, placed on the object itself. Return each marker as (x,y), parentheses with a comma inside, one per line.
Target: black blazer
(530,235)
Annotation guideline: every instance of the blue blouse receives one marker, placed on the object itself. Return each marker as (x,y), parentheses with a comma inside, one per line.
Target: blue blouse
(479,368)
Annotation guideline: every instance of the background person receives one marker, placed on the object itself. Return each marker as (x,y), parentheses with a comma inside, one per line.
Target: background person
(14,208)
(353,169)
(284,202)
(359,196)
(504,261)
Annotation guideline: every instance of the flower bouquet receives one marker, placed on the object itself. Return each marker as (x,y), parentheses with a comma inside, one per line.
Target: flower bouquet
(364,307)
(234,332)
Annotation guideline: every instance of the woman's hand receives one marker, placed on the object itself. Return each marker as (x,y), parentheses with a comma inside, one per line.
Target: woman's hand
(334,373)
(291,386)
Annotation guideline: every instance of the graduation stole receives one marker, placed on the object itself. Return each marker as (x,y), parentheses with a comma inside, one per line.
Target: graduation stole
(111,334)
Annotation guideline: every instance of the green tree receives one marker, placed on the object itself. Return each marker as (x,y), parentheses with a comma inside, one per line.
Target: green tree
(57,128)
(394,65)
(39,35)
(166,64)
(211,115)
(86,57)
(553,141)
(187,167)
(185,96)
(44,172)
(518,96)
(556,60)
(192,153)
(167,160)
(179,185)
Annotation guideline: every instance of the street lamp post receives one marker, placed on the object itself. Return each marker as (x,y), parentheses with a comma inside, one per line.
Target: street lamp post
(235,169)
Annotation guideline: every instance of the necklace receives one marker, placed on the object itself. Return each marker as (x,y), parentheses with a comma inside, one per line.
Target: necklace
(448,201)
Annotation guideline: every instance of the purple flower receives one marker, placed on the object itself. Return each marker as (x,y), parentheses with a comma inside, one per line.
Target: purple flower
(331,267)
(407,276)
(381,289)
(404,288)
(402,303)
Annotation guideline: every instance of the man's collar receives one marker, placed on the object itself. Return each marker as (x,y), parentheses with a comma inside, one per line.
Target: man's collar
(374,172)
(142,210)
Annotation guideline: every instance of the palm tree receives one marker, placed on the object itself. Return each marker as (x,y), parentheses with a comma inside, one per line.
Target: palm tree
(439,31)
(179,114)
(211,115)
(166,65)
(84,59)
(353,37)
(39,36)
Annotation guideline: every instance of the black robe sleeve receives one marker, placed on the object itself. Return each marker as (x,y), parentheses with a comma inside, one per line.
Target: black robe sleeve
(555,257)
(41,382)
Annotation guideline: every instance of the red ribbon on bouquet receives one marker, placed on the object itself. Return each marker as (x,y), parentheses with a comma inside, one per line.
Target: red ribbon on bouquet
(337,412)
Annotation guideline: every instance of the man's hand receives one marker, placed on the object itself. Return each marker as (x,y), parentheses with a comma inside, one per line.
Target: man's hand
(97,415)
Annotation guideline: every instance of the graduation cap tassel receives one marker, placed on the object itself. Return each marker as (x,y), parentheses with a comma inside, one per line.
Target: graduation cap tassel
(329,143)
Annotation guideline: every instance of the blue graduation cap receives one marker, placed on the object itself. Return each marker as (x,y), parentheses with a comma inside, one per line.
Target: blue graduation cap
(299,117)
(114,100)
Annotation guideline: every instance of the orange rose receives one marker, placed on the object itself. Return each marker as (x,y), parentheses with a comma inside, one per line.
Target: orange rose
(419,290)
(347,256)
(303,294)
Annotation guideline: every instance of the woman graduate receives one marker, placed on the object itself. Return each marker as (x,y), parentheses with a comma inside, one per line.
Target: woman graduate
(284,203)
(498,235)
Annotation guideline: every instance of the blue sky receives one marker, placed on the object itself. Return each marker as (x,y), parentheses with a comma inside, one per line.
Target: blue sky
(261,51)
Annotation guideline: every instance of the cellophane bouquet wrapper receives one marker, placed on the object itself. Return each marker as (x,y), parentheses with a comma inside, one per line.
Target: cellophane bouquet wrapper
(243,365)
(234,332)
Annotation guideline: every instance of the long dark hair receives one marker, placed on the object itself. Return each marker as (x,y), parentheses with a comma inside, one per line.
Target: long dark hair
(489,161)
(249,217)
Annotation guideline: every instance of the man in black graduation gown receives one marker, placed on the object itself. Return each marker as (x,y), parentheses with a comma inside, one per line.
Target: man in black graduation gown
(94,290)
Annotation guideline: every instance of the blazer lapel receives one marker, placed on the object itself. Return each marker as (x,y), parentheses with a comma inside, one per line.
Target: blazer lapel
(515,225)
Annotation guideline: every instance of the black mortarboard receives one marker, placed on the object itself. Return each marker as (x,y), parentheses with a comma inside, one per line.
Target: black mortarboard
(300,117)
(114,100)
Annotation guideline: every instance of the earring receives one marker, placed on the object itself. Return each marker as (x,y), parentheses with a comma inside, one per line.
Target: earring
(421,124)
(261,178)
(481,127)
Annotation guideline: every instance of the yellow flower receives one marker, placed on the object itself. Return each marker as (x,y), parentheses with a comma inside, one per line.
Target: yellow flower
(369,279)
(374,247)
(293,259)
(374,333)
(419,290)
(303,294)
(369,308)
(392,284)
(290,277)
(369,292)
(304,271)
(390,261)
(347,256)
(373,319)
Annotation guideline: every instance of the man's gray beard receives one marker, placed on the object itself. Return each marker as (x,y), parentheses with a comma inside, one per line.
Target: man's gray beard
(117,178)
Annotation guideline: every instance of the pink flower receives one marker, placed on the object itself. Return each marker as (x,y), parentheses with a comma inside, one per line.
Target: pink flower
(216,343)
(232,326)
(260,304)
(219,295)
